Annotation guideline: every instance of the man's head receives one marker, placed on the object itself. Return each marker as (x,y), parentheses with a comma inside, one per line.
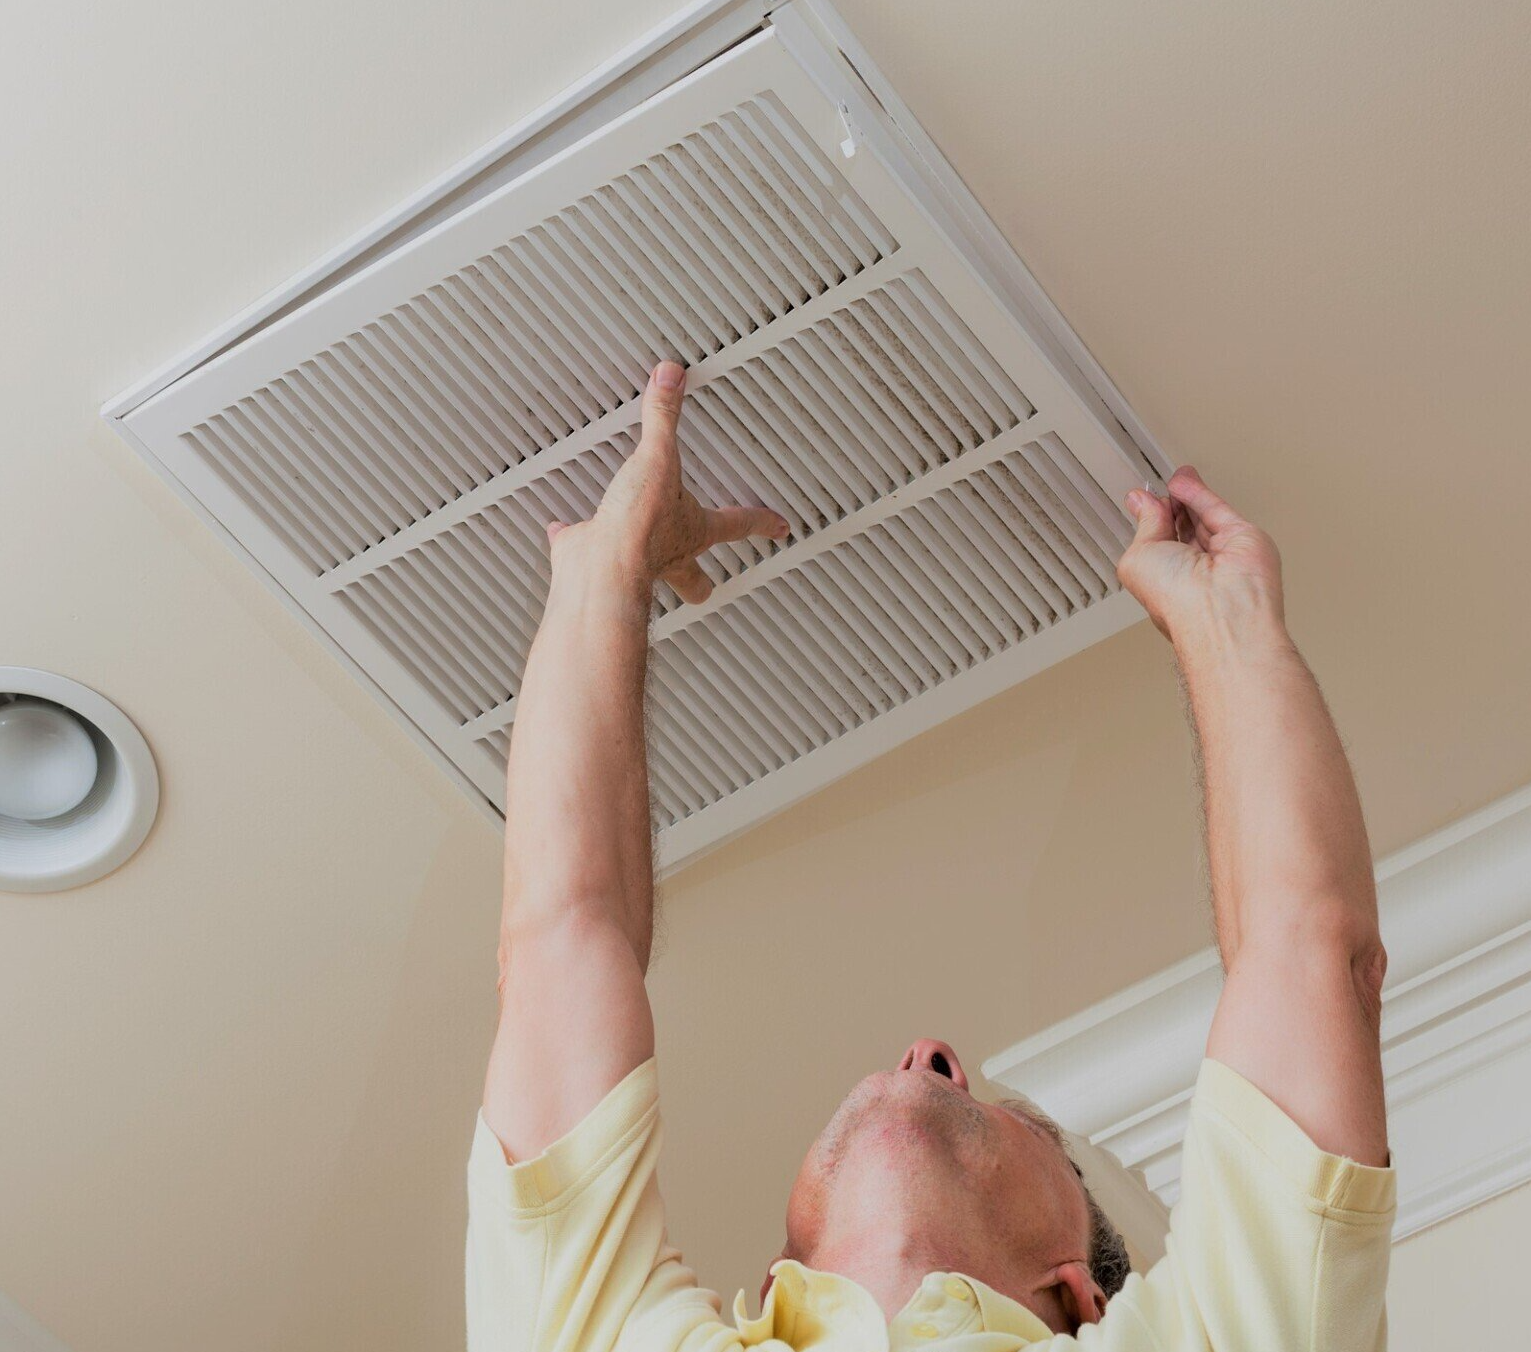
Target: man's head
(913,1175)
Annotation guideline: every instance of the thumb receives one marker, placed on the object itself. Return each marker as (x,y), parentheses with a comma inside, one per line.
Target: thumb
(1154,515)
(662,399)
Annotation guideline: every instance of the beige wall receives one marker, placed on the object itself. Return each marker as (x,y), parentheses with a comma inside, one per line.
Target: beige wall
(238,1075)
(1461,1283)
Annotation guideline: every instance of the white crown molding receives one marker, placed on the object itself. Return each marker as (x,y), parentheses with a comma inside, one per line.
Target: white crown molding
(1456,1037)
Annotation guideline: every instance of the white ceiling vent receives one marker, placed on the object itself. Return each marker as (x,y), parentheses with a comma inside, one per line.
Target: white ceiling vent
(386,437)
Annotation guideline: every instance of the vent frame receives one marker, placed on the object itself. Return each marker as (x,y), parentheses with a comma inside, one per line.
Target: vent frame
(889,169)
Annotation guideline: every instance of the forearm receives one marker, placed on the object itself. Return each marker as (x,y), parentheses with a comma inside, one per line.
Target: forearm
(577,924)
(1292,887)
(1286,842)
(577,840)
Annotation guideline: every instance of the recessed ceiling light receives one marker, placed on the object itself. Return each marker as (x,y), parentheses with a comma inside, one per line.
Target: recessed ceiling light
(48,763)
(78,784)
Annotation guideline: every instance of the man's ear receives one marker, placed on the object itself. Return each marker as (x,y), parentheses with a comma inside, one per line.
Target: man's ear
(1083,1300)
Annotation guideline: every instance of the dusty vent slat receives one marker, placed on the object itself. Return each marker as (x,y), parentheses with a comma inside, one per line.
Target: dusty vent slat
(759,434)
(553,329)
(390,441)
(876,621)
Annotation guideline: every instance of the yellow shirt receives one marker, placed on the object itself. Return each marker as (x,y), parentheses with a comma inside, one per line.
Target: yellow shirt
(1273,1245)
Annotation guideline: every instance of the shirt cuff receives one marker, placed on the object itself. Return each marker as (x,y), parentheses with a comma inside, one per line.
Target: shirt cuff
(1340,1187)
(549,1180)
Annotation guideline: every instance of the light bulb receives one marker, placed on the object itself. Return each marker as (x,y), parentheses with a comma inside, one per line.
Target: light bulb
(47,760)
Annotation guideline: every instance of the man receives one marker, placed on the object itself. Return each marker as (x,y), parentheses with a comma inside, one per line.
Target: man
(921,1216)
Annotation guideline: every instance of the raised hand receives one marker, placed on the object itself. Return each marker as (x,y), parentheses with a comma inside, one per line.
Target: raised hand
(1196,562)
(648,517)
(578,923)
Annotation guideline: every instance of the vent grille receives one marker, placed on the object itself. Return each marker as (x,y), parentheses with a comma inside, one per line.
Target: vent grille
(822,427)
(876,621)
(544,335)
(392,450)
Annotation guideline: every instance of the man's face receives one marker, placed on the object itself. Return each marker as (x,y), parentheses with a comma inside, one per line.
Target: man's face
(913,1174)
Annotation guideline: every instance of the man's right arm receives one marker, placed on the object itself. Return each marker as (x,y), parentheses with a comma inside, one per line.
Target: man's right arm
(566,1232)
(577,918)
(579,893)
(577,921)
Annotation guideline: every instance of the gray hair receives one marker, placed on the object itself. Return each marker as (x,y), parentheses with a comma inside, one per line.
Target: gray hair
(1107,1257)
(1109,1263)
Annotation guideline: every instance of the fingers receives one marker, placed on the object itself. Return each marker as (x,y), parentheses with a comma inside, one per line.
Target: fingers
(737,523)
(691,584)
(1155,518)
(721,525)
(1207,509)
(555,528)
(1185,524)
(662,399)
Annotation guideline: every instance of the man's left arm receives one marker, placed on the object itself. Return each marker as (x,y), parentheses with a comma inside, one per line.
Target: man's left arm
(1293,894)
(1280,1236)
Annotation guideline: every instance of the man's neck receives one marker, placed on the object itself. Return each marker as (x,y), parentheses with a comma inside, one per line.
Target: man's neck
(889,1264)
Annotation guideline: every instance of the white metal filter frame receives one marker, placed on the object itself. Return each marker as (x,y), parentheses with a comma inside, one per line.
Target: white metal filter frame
(911,274)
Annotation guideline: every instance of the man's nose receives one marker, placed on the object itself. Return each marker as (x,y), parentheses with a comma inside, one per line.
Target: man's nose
(928,1054)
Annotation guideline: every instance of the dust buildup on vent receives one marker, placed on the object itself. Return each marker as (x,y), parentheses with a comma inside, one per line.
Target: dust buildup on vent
(680,306)
(861,332)
(821,426)
(523,401)
(1034,513)
(764,265)
(501,361)
(813,271)
(705,244)
(953,580)
(840,415)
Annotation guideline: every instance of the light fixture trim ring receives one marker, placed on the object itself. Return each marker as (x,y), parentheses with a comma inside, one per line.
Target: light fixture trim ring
(68,855)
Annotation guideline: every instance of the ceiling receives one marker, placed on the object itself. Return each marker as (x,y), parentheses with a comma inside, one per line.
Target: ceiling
(239,1074)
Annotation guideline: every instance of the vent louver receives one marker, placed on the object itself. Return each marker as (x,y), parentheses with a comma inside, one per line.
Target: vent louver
(390,451)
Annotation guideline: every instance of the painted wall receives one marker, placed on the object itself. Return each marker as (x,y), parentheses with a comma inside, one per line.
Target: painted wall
(1460,1283)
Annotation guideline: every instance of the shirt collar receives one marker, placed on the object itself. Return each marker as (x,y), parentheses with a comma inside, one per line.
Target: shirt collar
(828,1312)
(1001,1314)
(807,1308)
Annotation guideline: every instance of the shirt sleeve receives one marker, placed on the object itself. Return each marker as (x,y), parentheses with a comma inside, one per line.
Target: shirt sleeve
(1274,1243)
(568,1251)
